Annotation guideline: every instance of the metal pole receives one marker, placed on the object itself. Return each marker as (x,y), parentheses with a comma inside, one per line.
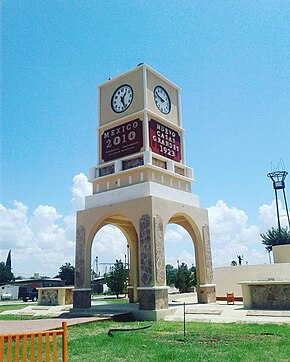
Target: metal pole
(128,263)
(286,208)
(278,216)
(125,271)
(184,319)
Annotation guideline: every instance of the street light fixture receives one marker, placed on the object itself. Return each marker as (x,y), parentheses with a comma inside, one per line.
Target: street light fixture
(278,179)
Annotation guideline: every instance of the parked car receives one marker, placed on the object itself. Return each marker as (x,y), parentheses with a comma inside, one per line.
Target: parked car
(30,295)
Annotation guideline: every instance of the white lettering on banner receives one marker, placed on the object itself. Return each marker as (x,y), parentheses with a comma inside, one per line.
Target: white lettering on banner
(164,140)
(165,130)
(122,140)
(120,130)
(116,140)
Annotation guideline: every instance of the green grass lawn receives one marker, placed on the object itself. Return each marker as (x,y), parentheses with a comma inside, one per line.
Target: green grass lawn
(11,307)
(165,342)
(113,300)
(16,317)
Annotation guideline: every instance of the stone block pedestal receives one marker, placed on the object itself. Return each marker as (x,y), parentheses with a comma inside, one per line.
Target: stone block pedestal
(153,298)
(206,293)
(82,298)
(266,294)
(55,295)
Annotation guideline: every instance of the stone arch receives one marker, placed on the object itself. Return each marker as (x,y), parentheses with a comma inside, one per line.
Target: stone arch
(199,234)
(89,222)
(143,222)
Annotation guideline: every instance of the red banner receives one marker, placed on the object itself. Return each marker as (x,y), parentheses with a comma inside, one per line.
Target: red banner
(122,140)
(164,140)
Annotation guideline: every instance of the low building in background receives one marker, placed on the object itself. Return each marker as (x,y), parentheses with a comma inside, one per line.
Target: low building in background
(18,289)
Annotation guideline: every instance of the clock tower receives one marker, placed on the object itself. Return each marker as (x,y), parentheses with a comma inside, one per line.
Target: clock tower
(140,184)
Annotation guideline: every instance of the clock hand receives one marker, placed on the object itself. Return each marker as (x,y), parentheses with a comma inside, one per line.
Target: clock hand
(162,100)
(123,97)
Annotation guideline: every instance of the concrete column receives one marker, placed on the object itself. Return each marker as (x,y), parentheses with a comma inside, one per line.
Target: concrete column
(206,290)
(82,291)
(152,292)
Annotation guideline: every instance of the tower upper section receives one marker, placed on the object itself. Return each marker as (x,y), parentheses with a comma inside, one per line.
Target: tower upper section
(140,134)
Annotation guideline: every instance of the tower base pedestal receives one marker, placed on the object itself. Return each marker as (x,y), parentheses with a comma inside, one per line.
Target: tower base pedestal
(82,298)
(206,293)
(153,298)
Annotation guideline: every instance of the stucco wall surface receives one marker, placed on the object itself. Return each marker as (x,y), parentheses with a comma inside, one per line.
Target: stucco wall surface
(281,253)
(227,278)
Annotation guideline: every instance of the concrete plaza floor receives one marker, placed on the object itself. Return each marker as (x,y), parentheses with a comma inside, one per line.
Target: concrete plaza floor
(221,312)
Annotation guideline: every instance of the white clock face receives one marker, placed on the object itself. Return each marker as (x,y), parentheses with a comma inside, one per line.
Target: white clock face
(122,98)
(162,100)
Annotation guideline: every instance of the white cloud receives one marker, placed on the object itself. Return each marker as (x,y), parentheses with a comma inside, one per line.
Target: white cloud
(268,215)
(15,232)
(43,241)
(226,222)
(43,220)
(183,256)
(231,235)
(80,188)
(69,223)
(109,245)
(173,236)
(178,246)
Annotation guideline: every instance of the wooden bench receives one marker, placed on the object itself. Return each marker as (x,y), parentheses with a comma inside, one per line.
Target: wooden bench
(29,346)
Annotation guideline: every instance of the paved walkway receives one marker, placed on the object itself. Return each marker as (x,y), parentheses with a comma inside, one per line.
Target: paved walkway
(37,325)
(221,312)
(215,313)
(56,315)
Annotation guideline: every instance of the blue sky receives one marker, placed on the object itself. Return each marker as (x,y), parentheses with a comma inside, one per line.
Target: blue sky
(232,62)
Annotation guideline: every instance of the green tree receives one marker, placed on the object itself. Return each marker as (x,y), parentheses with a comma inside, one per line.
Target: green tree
(5,274)
(67,273)
(185,278)
(171,274)
(275,237)
(116,278)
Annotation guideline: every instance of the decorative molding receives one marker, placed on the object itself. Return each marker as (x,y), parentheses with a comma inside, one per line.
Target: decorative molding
(207,253)
(132,162)
(146,268)
(106,170)
(159,250)
(80,256)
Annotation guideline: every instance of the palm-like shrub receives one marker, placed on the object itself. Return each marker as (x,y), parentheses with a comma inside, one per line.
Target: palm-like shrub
(275,237)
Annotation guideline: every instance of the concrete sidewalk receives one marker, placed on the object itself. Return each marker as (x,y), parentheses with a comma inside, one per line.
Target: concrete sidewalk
(56,315)
(223,313)
(38,325)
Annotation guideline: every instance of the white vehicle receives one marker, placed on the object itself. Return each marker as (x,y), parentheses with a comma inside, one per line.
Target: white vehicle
(9,292)
(6,296)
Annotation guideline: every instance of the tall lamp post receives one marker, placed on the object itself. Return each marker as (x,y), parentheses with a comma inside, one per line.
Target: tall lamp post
(278,179)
